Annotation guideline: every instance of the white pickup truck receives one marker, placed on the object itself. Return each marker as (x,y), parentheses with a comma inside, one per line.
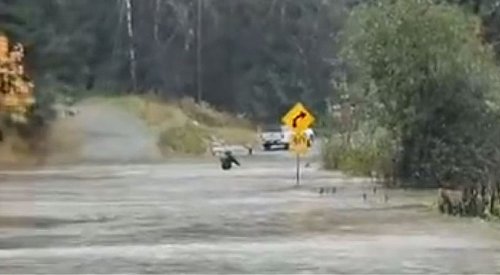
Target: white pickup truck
(279,136)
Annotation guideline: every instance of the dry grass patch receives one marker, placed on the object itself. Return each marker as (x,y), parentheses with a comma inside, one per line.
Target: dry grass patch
(64,141)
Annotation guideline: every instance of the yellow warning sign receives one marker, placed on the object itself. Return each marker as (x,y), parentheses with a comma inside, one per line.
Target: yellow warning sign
(298,118)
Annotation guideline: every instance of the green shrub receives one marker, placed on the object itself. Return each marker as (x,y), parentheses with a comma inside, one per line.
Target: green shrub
(332,151)
(364,155)
(429,77)
(187,139)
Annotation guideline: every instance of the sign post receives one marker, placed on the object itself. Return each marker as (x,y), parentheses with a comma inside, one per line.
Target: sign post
(298,119)
(297,176)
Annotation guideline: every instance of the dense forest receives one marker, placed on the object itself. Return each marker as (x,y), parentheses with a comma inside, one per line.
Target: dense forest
(423,83)
(248,56)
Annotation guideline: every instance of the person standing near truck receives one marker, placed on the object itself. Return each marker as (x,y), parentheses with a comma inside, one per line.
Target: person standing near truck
(310,136)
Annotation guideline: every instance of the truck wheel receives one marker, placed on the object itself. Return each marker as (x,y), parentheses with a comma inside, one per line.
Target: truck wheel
(287,146)
(267,147)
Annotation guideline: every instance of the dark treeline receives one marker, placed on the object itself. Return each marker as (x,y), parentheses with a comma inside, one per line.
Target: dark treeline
(256,56)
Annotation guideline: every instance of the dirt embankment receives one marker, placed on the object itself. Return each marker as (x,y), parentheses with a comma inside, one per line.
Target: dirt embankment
(133,129)
(101,132)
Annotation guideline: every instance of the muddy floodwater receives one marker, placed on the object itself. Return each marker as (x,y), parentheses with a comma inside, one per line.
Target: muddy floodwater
(192,217)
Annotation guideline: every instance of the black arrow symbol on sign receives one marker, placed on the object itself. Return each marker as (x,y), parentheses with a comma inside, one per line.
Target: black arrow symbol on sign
(302,115)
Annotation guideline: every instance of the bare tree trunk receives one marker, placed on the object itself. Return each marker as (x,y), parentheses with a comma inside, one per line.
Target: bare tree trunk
(497,188)
(132,55)
(157,21)
(492,202)
(477,6)
(493,190)
(346,117)
(198,52)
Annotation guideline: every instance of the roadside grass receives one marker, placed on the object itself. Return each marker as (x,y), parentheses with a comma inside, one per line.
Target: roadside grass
(186,139)
(357,160)
(209,116)
(364,155)
(180,127)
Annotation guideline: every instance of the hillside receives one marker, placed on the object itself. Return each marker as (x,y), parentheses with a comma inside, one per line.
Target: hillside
(134,129)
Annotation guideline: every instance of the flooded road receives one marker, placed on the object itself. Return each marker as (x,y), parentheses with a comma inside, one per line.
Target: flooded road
(192,217)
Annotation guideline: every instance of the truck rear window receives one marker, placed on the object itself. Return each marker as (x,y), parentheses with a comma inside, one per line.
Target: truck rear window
(271,129)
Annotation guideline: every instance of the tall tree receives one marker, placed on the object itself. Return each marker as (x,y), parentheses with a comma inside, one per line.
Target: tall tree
(434,84)
(259,56)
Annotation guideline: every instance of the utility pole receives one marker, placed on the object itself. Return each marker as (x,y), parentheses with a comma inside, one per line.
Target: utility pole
(131,51)
(198,52)
(156,28)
